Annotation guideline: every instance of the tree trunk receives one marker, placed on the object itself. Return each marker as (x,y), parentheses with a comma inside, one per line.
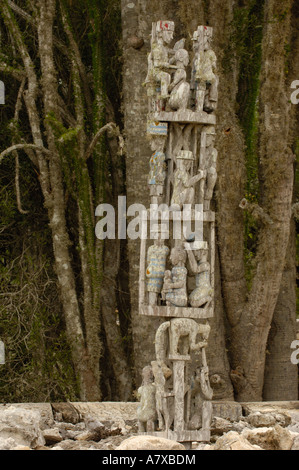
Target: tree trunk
(250,335)
(89,386)
(281,376)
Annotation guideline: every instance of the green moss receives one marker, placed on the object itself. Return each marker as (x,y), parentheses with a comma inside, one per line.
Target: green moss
(247,33)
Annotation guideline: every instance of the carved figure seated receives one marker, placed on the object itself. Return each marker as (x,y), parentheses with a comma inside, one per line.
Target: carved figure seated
(180,88)
(175,288)
(183,185)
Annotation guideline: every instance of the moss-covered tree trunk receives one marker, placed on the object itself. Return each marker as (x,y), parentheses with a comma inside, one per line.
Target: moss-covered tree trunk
(281,376)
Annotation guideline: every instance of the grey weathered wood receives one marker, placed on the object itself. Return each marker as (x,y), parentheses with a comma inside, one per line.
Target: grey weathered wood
(175,341)
(184,117)
(142,280)
(212,263)
(176,312)
(179,394)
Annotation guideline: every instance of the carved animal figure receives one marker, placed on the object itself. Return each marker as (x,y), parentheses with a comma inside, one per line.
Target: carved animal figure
(182,331)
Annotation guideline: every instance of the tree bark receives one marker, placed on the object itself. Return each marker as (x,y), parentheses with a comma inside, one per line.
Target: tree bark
(250,334)
(281,376)
(89,386)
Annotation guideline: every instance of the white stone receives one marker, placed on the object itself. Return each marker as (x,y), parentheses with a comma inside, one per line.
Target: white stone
(234,441)
(149,443)
(295,445)
(273,438)
(23,425)
(7,444)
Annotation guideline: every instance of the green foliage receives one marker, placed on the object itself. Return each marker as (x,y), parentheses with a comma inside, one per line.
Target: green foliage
(38,361)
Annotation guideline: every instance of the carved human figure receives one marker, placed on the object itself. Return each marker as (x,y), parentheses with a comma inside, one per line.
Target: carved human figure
(204,80)
(159,60)
(200,266)
(179,87)
(183,186)
(156,264)
(201,394)
(146,411)
(175,289)
(164,399)
(157,165)
(211,157)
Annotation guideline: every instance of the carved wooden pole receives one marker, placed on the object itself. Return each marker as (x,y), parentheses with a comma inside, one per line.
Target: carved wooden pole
(181,129)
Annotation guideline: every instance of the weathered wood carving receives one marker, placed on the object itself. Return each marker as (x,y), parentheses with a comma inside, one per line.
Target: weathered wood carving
(177,273)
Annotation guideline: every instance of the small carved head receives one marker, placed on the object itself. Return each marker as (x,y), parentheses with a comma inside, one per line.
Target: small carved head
(178,255)
(147,375)
(182,56)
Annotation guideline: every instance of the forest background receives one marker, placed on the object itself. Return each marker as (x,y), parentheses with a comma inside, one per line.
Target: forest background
(72,136)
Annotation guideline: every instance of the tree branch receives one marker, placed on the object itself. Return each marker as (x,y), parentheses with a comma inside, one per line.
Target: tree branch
(256,211)
(13,148)
(17,185)
(23,14)
(18,74)
(112,127)
(76,57)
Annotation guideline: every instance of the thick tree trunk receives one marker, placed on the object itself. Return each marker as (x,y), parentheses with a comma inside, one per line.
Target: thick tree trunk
(250,335)
(281,376)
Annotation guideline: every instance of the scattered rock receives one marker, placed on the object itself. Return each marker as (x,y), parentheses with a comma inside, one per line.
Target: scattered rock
(295,445)
(66,412)
(22,425)
(149,443)
(233,441)
(111,443)
(231,411)
(43,409)
(220,426)
(203,446)
(85,436)
(7,444)
(113,426)
(52,436)
(274,438)
(261,420)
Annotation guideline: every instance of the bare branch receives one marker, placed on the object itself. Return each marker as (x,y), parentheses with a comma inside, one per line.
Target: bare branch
(256,211)
(15,153)
(13,148)
(17,184)
(23,14)
(15,73)
(112,127)
(77,58)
